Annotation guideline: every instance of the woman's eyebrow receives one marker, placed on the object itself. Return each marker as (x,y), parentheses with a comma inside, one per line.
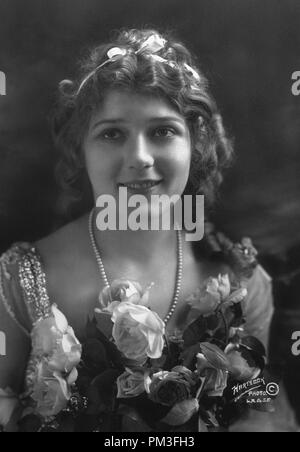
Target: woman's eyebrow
(108,121)
(167,118)
(123,121)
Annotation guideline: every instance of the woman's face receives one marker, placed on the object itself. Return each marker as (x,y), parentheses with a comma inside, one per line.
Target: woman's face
(139,142)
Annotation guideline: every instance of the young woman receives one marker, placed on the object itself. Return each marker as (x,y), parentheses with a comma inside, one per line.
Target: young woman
(140,116)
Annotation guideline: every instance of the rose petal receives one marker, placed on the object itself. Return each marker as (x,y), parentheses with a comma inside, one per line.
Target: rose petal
(116,52)
(202,363)
(137,331)
(8,404)
(238,296)
(212,286)
(63,385)
(105,297)
(181,412)
(240,368)
(60,319)
(154,43)
(72,377)
(224,286)
(45,336)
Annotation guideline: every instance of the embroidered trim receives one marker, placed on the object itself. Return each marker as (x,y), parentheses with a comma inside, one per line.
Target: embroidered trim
(9,258)
(33,283)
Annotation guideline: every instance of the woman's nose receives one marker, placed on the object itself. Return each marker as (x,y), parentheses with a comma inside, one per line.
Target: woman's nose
(139,154)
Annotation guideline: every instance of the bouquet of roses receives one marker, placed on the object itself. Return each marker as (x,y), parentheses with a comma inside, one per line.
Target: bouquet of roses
(131,375)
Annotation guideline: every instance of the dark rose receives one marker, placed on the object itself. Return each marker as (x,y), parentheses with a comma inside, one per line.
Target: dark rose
(169,388)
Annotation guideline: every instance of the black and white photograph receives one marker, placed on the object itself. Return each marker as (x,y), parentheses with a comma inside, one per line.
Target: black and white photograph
(149,218)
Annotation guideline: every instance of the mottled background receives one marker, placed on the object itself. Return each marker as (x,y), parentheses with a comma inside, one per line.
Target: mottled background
(249,48)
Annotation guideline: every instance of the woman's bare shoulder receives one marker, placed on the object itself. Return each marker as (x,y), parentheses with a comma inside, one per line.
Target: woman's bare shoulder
(70,271)
(65,257)
(65,242)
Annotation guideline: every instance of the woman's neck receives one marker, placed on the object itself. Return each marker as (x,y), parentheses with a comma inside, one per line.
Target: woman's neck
(137,246)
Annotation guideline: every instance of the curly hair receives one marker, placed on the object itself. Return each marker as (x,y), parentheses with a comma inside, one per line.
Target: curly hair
(173,76)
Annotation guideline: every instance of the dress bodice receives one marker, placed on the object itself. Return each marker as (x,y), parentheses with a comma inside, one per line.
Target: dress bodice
(24,295)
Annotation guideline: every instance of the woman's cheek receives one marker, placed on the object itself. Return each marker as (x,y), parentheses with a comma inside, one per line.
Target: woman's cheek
(103,169)
(178,167)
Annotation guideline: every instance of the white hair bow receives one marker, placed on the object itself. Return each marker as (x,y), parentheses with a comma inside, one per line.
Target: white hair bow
(152,45)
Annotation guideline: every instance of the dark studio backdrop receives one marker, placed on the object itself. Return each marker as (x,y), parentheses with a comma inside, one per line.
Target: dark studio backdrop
(249,49)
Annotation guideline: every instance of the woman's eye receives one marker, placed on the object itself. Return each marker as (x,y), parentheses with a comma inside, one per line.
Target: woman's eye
(164,132)
(111,134)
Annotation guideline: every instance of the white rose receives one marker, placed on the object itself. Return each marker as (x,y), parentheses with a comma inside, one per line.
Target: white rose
(138,332)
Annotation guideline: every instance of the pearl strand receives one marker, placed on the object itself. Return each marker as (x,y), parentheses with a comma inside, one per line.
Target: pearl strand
(179,270)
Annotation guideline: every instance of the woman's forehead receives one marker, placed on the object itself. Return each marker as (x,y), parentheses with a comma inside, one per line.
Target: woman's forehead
(127,105)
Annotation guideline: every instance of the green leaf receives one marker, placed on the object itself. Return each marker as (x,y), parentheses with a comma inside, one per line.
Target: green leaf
(188,356)
(115,356)
(215,356)
(132,421)
(253,344)
(67,423)
(94,356)
(196,332)
(91,331)
(30,423)
(86,423)
(159,363)
(104,323)
(202,427)
(101,393)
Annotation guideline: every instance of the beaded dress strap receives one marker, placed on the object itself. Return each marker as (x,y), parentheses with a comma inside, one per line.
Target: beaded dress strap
(21,265)
(33,282)
(8,262)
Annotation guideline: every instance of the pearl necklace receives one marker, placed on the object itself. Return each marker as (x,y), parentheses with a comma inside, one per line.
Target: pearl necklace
(179,269)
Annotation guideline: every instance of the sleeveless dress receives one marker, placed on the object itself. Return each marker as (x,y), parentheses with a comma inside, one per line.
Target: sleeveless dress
(24,296)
